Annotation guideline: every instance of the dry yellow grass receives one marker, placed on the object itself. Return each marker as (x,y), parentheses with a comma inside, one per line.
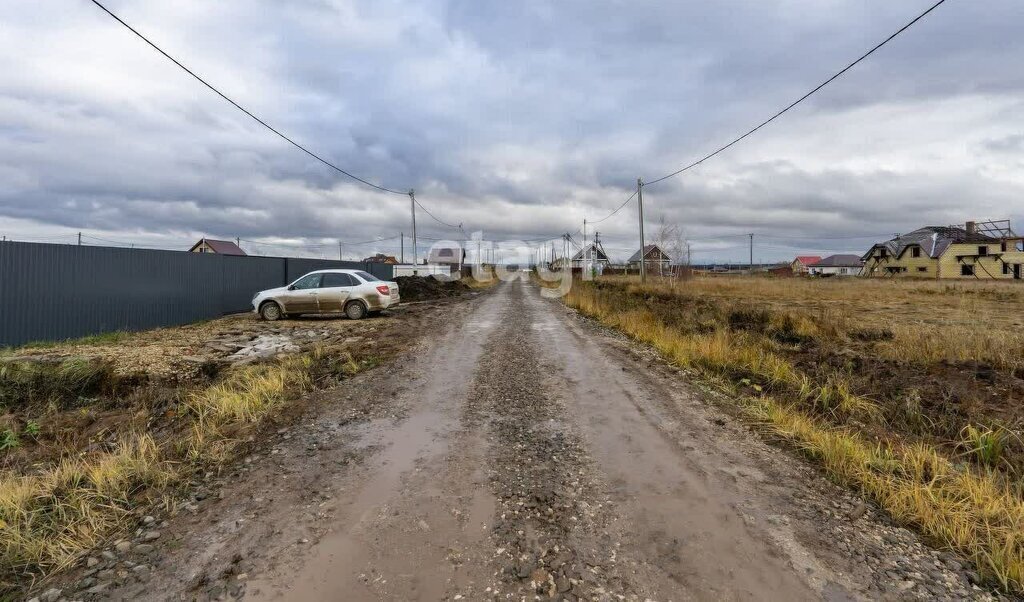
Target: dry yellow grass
(46,519)
(973,511)
(930,320)
(49,517)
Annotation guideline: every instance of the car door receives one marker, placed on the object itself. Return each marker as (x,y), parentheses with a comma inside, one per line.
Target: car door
(335,289)
(301,297)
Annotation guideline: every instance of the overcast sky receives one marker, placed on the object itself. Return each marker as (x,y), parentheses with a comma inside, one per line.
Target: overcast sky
(515,118)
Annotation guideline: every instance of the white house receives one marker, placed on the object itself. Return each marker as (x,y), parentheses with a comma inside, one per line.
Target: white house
(837,265)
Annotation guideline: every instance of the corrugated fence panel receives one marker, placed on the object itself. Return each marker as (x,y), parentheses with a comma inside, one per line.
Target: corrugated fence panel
(53,292)
(243,277)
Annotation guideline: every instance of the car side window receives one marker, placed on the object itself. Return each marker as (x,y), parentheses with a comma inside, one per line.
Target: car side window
(368,277)
(308,281)
(336,280)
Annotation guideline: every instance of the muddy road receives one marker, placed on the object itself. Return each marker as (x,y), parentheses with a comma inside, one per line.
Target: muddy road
(524,453)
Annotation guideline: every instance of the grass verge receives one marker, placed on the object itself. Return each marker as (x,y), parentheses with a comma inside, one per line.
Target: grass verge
(49,516)
(975,510)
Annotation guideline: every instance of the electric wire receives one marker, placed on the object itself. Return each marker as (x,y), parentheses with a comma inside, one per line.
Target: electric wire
(434,217)
(735,141)
(834,77)
(243,109)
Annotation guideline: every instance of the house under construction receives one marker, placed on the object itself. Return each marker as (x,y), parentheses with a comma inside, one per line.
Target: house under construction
(986,250)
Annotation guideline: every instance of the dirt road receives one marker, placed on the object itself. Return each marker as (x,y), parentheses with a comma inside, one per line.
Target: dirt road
(523,451)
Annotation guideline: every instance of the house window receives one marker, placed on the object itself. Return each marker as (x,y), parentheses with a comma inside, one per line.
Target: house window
(882,252)
(1006,267)
(922,269)
(966,270)
(915,252)
(983,250)
(1002,246)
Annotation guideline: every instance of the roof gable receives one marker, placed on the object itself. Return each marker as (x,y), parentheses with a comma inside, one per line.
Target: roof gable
(933,240)
(220,247)
(808,260)
(648,249)
(595,253)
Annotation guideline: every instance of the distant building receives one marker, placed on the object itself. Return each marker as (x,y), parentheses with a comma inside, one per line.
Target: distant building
(592,255)
(802,264)
(837,265)
(219,247)
(783,270)
(381,258)
(656,260)
(453,255)
(993,252)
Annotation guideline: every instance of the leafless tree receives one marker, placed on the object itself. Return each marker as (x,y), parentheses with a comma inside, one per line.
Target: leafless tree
(671,238)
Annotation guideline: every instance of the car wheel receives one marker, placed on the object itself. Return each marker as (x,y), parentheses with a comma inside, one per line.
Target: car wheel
(355,310)
(271,311)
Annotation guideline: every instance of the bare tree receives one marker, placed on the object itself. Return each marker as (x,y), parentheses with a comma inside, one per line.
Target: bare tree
(671,238)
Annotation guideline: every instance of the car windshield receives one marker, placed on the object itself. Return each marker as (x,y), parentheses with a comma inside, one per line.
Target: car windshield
(367,276)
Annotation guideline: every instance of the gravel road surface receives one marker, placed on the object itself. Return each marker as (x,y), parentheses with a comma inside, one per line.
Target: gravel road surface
(524,453)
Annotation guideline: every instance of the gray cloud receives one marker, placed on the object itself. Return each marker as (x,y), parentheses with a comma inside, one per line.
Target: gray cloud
(519,119)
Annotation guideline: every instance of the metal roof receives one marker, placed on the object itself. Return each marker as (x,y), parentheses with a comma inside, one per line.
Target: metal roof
(840,261)
(220,247)
(647,251)
(933,240)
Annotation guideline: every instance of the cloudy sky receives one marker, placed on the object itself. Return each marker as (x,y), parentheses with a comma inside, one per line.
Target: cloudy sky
(519,119)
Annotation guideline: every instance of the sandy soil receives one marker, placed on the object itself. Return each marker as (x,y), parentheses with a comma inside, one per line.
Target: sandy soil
(522,451)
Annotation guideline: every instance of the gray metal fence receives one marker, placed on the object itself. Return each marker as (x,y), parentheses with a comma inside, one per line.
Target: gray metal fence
(53,292)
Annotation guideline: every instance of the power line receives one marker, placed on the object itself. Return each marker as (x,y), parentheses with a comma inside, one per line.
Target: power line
(779,113)
(434,217)
(246,111)
(804,97)
(617,209)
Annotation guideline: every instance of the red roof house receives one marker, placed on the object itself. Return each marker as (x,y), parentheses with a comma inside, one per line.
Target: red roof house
(802,262)
(220,247)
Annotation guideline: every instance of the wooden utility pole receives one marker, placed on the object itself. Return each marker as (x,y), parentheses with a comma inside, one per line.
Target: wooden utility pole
(341,254)
(412,205)
(640,204)
(401,246)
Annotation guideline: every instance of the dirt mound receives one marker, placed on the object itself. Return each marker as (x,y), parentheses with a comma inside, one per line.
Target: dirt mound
(423,288)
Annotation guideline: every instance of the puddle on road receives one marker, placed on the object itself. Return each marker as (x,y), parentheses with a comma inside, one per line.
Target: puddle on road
(360,557)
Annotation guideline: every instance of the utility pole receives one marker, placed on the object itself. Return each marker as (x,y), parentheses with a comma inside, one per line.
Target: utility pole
(238,242)
(79,239)
(640,204)
(412,205)
(584,252)
(402,245)
(751,252)
(341,254)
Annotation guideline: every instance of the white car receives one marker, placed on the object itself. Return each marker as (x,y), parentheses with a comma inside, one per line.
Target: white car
(353,292)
